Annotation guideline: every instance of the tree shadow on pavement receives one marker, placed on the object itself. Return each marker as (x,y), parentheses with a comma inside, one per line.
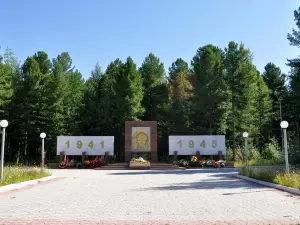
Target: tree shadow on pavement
(247,192)
(220,172)
(209,184)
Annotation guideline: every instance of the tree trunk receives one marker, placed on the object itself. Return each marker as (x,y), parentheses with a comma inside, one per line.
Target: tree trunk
(233,131)
(233,143)
(297,131)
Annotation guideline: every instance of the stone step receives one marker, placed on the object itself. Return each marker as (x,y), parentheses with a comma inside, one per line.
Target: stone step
(111,168)
(124,166)
(163,165)
(118,164)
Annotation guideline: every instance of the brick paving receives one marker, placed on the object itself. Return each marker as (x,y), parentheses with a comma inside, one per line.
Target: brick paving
(148,197)
(143,222)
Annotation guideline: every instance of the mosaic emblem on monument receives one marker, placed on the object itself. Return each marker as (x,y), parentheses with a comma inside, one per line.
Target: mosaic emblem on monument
(140,139)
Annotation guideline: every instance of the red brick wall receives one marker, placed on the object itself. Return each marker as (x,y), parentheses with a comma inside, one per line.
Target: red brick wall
(128,135)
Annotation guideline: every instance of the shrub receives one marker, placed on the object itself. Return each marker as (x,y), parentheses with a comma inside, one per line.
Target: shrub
(166,158)
(254,153)
(294,152)
(229,154)
(112,159)
(290,180)
(182,163)
(273,151)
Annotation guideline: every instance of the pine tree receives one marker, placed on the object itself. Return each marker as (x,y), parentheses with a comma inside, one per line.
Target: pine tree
(210,89)
(92,111)
(6,90)
(68,86)
(180,85)
(180,93)
(294,98)
(155,89)
(132,94)
(241,78)
(264,113)
(275,80)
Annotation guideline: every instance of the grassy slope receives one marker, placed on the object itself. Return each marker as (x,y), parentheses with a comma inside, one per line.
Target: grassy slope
(14,174)
(272,175)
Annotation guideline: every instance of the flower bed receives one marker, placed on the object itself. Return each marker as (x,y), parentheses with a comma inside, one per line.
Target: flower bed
(91,164)
(200,163)
(14,174)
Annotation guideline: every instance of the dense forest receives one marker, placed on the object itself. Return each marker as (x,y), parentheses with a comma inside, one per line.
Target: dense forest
(219,92)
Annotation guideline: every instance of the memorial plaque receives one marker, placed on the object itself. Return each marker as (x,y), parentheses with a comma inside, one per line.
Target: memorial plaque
(141,137)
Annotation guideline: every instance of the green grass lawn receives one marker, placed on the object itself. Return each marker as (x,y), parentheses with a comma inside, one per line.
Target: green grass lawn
(15,174)
(259,162)
(273,175)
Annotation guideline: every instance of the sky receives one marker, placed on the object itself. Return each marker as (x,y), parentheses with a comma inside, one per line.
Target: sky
(103,30)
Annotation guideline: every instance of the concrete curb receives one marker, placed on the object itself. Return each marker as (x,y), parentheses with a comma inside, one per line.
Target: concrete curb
(12,187)
(268,184)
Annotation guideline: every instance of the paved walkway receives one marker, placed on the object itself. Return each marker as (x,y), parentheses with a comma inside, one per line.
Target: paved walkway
(148,197)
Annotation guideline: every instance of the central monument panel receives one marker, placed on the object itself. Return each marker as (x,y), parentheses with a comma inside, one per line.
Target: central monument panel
(141,137)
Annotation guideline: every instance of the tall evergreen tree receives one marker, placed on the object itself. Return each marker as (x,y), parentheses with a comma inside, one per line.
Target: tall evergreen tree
(210,89)
(30,112)
(120,93)
(294,39)
(241,79)
(264,113)
(180,92)
(275,80)
(92,113)
(6,90)
(74,101)
(68,86)
(180,85)
(155,90)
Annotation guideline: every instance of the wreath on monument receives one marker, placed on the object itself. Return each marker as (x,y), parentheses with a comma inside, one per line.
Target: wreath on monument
(63,164)
(218,164)
(96,163)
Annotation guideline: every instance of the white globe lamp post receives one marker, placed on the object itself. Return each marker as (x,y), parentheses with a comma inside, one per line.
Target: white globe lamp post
(42,136)
(245,135)
(3,124)
(284,125)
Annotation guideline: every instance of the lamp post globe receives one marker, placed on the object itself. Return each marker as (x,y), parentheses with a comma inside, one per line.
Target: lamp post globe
(245,135)
(3,123)
(43,135)
(284,124)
